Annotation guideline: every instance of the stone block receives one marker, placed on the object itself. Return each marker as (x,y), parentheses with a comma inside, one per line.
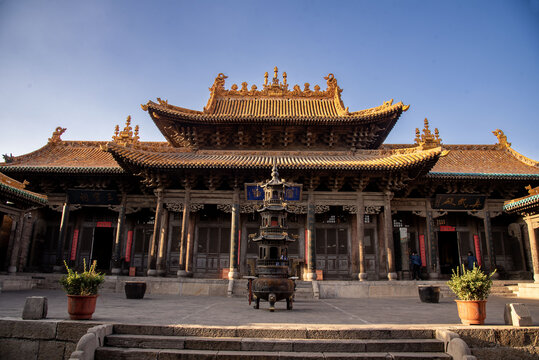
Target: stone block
(248,344)
(14,349)
(51,350)
(77,355)
(208,331)
(133,329)
(32,329)
(73,330)
(35,308)
(204,343)
(517,314)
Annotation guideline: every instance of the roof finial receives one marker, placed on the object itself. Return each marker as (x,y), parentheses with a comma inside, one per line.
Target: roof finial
(266,78)
(275,72)
(55,139)
(427,140)
(284,78)
(126,137)
(502,139)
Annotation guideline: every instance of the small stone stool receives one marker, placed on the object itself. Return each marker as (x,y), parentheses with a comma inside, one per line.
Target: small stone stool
(517,314)
(35,308)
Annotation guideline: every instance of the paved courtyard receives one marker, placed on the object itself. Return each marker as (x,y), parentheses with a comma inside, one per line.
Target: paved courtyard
(207,310)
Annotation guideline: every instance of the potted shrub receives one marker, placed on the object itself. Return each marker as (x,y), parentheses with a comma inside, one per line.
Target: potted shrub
(81,289)
(472,288)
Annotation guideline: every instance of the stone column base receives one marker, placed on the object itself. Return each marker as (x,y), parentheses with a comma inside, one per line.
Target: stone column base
(181,273)
(536,278)
(433,276)
(161,272)
(310,276)
(152,272)
(362,276)
(233,274)
(392,276)
(57,268)
(116,271)
(12,269)
(495,276)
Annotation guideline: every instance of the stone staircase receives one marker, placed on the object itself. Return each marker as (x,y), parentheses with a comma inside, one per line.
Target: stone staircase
(268,343)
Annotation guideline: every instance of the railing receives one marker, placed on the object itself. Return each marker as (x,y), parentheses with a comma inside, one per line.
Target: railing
(272,262)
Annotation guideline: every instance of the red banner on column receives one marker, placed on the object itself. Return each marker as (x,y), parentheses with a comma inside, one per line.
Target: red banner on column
(74,245)
(306,246)
(477,245)
(128,246)
(422,250)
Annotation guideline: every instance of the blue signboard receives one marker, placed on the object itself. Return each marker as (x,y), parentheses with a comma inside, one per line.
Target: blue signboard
(254,192)
(292,193)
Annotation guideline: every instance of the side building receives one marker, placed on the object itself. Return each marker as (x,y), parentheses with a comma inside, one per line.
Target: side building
(186,207)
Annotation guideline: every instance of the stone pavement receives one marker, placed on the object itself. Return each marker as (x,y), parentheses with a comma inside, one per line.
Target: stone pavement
(208,310)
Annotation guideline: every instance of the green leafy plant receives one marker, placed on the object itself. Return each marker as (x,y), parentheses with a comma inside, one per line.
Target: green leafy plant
(471,284)
(84,283)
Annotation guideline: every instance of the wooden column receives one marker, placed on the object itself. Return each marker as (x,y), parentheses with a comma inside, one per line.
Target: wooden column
(534,247)
(161,263)
(311,256)
(61,239)
(190,244)
(432,258)
(116,254)
(234,236)
(182,272)
(489,241)
(152,250)
(388,232)
(15,250)
(360,220)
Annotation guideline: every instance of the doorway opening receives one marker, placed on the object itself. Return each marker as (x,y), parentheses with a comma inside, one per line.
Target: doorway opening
(448,251)
(102,247)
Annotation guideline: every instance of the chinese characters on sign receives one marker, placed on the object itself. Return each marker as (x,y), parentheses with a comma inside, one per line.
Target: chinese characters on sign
(422,250)
(254,192)
(93,197)
(74,245)
(459,202)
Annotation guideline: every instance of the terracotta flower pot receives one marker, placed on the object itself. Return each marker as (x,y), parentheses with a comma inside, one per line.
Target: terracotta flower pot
(81,307)
(472,312)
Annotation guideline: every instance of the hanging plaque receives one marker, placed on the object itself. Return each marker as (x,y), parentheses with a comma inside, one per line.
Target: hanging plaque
(459,202)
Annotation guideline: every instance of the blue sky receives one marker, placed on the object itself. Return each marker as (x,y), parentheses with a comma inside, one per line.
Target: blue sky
(470,67)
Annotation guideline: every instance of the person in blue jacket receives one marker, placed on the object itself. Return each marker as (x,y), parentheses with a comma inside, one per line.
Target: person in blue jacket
(472,261)
(415,261)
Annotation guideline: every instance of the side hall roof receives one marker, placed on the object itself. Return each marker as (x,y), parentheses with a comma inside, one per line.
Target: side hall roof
(13,190)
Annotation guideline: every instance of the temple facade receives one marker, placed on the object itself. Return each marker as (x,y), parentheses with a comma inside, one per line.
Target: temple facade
(186,207)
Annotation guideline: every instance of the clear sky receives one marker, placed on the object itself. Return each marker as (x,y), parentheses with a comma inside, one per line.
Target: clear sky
(469,66)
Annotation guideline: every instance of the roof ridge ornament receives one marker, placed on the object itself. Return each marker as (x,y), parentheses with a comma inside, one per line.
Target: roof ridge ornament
(502,140)
(427,140)
(56,135)
(126,136)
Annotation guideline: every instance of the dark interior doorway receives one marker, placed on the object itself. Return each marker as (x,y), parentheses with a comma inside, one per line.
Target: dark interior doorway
(102,247)
(448,251)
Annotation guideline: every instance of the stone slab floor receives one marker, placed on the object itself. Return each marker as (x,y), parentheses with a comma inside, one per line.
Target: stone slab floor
(207,310)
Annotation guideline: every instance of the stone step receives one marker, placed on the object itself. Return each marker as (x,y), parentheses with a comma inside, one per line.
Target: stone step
(273,345)
(273,332)
(109,353)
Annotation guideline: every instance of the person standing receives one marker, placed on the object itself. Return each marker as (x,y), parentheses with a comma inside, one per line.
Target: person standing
(472,261)
(415,260)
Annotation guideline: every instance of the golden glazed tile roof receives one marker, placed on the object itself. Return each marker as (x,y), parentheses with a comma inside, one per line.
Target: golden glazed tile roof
(526,205)
(480,162)
(275,102)
(370,160)
(65,157)
(14,190)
